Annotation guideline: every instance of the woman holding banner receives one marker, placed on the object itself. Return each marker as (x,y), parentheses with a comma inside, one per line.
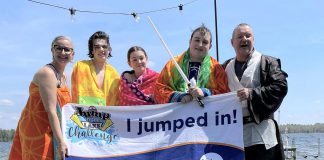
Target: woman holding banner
(198,66)
(137,86)
(38,134)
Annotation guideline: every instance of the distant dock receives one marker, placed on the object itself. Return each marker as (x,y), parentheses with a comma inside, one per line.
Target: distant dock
(290,153)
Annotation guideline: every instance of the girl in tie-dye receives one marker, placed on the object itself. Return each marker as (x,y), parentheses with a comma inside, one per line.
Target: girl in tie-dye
(137,85)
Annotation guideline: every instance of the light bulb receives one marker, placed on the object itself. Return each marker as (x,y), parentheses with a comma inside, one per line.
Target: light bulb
(180,7)
(136,17)
(72,13)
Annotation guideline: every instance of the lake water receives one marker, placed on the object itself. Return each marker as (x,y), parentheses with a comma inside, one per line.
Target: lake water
(4,150)
(307,145)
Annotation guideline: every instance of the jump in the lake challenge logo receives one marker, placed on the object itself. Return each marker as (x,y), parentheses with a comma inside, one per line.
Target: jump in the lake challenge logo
(87,123)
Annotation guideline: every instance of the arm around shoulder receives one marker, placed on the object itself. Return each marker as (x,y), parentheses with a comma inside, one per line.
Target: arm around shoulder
(163,87)
(74,82)
(218,79)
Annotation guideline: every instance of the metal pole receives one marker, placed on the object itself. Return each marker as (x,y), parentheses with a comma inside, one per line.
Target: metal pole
(319,146)
(215,6)
(279,116)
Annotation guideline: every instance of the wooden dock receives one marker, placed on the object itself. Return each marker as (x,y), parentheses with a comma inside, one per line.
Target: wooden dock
(290,153)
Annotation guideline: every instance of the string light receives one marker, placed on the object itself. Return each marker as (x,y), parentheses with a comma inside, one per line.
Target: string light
(180,7)
(72,13)
(134,14)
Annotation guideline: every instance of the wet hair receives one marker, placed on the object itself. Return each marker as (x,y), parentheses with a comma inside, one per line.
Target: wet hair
(97,35)
(203,30)
(133,49)
(59,38)
(238,26)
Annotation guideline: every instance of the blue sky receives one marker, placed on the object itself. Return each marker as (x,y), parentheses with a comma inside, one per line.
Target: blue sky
(290,30)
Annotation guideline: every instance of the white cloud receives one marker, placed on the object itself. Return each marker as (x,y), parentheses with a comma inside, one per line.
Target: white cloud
(302,118)
(6,102)
(7,47)
(23,93)
(15,118)
(5,118)
(316,40)
(317,101)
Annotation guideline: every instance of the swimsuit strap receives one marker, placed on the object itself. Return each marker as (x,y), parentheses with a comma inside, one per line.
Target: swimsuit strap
(57,75)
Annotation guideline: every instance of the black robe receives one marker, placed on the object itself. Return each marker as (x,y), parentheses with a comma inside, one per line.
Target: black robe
(267,98)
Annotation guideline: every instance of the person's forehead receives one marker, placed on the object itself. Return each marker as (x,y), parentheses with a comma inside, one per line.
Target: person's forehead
(137,54)
(201,35)
(99,41)
(243,29)
(63,42)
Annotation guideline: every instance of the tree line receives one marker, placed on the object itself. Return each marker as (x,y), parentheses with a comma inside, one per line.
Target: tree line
(300,128)
(6,135)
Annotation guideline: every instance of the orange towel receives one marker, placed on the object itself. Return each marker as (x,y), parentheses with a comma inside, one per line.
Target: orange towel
(33,138)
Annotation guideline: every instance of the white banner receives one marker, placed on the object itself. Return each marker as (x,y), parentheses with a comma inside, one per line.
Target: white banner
(167,131)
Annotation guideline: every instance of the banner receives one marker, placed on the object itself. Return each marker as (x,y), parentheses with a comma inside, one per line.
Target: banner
(156,132)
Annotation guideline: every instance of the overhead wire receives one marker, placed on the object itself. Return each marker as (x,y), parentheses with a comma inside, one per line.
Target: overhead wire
(74,10)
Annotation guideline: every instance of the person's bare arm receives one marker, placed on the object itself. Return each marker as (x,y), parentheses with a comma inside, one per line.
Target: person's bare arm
(47,83)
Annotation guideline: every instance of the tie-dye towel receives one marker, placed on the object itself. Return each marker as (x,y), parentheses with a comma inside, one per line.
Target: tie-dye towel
(140,92)
(85,89)
(170,86)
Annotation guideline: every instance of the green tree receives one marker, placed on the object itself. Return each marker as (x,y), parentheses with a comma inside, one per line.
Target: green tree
(6,135)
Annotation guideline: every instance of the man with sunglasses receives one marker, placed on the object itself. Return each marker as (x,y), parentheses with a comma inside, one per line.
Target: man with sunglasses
(94,81)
